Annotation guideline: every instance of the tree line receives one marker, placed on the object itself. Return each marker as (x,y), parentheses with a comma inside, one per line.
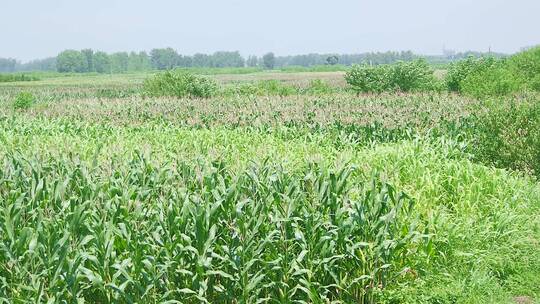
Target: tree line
(88,60)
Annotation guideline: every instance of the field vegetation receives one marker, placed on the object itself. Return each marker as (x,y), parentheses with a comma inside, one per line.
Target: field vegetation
(386,184)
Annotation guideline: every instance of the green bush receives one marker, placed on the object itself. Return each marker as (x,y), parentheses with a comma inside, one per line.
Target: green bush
(319,87)
(276,87)
(460,70)
(402,77)
(410,76)
(179,84)
(508,135)
(364,78)
(496,80)
(527,66)
(484,77)
(24,100)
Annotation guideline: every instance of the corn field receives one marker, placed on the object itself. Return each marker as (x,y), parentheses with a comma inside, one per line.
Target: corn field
(108,196)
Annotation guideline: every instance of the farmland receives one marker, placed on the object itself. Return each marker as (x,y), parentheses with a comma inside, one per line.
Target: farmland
(279,187)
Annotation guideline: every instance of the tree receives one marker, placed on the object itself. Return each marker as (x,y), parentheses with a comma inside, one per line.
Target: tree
(252,61)
(102,62)
(163,59)
(7,64)
(71,61)
(46,64)
(89,55)
(138,62)
(332,60)
(119,62)
(227,59)
(269,60)
(201,60)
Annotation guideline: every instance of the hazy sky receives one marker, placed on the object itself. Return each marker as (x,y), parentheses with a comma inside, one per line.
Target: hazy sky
(32,29)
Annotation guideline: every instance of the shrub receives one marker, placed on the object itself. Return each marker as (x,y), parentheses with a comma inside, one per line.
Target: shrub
(24,100)
(508,135)
(179,84)
(411,76)
(527,65)
(459,71)
(319,87)
(364,78)
(496,80)
(276,87)
(402,76)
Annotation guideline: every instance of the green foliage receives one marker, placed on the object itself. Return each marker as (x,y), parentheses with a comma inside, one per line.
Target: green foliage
(269,61)
(319,87)
(261,88)
(365,78)
(526,65)
(460,70)
(179,84)
(23,101)
(260,233)
(485,77)
(18,77)
(507,135)
(275,87)
(71,61)
(401,77)
(237,199)
(496,80)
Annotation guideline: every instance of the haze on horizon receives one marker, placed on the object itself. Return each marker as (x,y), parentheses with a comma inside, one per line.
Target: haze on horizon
(35,29)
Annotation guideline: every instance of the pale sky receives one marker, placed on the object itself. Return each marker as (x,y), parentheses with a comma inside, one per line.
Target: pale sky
(31,29)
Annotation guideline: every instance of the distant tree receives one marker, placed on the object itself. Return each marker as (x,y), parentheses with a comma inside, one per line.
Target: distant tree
(102,62)
(184,61)
(7,64)
(163,59)
(89,55)
(332,60)
(46,64)
(71,61)
(119,62)
(269,60)
(139,62)
(252,61)
(201,60)
(227,59)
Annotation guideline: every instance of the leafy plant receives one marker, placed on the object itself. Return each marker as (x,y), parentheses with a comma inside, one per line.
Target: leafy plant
(319,87)
(459,71)
(495,80)
(402,76)
(507,135)
(179,84)
(24,100)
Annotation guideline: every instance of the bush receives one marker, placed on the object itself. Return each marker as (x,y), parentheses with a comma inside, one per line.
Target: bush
(411,76)
(459,71)
(496,80)
(276,87)
(319,87)
(179,84)
(402,76)
(24,100)
(364,78)
(508,135)
(527,66)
